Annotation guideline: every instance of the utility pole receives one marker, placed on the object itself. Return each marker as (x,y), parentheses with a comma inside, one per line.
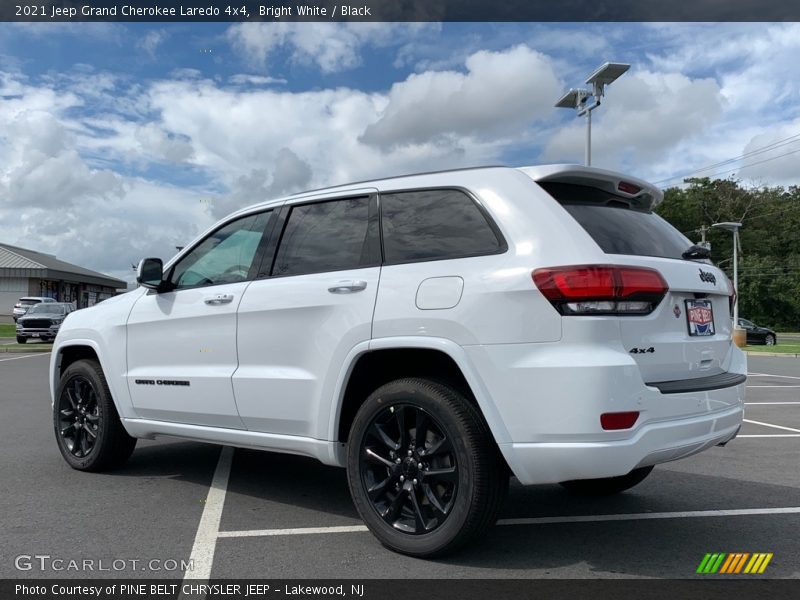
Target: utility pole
(703,243)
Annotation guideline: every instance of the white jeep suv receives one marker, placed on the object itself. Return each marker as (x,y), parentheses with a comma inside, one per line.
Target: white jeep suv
(432,333)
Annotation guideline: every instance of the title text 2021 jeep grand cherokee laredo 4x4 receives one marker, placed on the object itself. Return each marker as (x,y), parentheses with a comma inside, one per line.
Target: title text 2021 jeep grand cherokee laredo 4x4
(428,332)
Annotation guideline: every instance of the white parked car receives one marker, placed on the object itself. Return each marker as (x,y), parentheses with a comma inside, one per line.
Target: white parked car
(431,333)
(23,304)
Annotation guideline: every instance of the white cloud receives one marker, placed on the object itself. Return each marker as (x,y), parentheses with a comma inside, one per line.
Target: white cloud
(260,80)
(53,200)
(501,93)
(151,40)
(331,47)
(431,120)
(644,116)
(771,156)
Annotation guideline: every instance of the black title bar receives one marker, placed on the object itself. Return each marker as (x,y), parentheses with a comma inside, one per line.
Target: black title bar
(398,10)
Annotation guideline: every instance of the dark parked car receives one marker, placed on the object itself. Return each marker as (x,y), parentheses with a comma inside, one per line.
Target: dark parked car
(42,321)
(758,335)
(21,307)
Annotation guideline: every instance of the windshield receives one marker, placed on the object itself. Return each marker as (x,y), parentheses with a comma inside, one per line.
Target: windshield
(28,302)
(50,309)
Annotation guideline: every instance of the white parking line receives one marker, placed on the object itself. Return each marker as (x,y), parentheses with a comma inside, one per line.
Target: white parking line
(538,521)
(750,387)
(768,403)
(205,541)
(768,375)
(769,435)
(295,531)
(26,356)
(771,425)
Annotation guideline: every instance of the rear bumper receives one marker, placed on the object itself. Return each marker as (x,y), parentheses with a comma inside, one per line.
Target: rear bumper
(653,444)
(550,398)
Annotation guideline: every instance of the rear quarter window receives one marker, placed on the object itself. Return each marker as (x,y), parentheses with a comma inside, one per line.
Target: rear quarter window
(435,225)
(615,226)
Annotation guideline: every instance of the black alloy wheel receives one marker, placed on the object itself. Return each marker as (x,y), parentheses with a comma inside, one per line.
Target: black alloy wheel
(78,416)
(88,429)
(424,471)
(409,469)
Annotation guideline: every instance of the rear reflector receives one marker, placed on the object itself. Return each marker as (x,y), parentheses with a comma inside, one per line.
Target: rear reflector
(731,296)
(620,420)
(601,289)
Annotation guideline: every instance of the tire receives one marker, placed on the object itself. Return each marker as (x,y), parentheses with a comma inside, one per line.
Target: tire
(21,340)
(607,486)
(424,495)
(769,340)
(88,430)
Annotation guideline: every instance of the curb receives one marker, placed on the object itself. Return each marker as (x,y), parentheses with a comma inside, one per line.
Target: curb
(32,349)
(783,354)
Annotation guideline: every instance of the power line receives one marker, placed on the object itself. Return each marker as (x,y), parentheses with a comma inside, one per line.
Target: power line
(784,142)
(777,212)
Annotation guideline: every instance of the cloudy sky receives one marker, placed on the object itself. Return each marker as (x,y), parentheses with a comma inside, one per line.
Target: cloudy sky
(119,141)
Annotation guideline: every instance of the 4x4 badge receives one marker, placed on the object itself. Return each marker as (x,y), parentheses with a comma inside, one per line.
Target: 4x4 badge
(708,277)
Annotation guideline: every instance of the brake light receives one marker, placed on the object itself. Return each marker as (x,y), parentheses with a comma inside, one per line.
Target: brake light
(619,420)
(601,289)
(628,188)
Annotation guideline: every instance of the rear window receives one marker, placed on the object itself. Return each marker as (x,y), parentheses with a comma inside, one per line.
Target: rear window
(615,226)
(28,301)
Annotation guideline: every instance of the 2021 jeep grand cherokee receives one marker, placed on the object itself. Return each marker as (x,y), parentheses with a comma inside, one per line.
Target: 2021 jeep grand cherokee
(431,333)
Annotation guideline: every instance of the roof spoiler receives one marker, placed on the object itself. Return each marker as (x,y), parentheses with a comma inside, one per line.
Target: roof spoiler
(643,195)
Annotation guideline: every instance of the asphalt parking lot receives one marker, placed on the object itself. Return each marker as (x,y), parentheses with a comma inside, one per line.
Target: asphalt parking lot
(274,516)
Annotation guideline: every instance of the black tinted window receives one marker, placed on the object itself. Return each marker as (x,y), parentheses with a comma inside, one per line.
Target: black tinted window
(434,225)
(327,236)
(615,226)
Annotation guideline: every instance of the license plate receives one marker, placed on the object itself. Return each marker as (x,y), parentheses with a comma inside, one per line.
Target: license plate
(700,317)
(34,335)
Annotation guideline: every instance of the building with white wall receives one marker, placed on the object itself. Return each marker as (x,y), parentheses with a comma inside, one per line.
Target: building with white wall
(26,272)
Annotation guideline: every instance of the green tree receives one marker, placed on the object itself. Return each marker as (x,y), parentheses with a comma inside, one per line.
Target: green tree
(769,265)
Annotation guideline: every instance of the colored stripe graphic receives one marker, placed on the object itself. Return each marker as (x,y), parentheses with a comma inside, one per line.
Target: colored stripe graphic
(734,562)
(711,562)
(726,566)
(758,563)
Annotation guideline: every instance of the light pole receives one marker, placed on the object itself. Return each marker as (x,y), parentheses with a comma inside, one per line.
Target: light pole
(577,99)
(734,227)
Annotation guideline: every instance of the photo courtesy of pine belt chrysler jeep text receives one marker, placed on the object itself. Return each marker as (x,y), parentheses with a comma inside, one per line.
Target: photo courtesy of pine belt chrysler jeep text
(434,334)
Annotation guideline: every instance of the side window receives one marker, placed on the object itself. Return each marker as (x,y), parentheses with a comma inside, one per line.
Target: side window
(434,225)
(225,256)
(327,236)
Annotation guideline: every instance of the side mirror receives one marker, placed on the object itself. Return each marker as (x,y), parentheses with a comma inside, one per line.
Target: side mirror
(150,273)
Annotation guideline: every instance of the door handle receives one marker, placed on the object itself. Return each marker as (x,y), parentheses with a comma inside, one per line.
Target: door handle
(348,286)
(218,299)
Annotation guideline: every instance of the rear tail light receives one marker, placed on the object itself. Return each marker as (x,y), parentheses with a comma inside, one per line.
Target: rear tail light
(618,420)
(601,289)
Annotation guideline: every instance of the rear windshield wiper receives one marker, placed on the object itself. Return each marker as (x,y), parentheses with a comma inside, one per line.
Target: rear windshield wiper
(696,252)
